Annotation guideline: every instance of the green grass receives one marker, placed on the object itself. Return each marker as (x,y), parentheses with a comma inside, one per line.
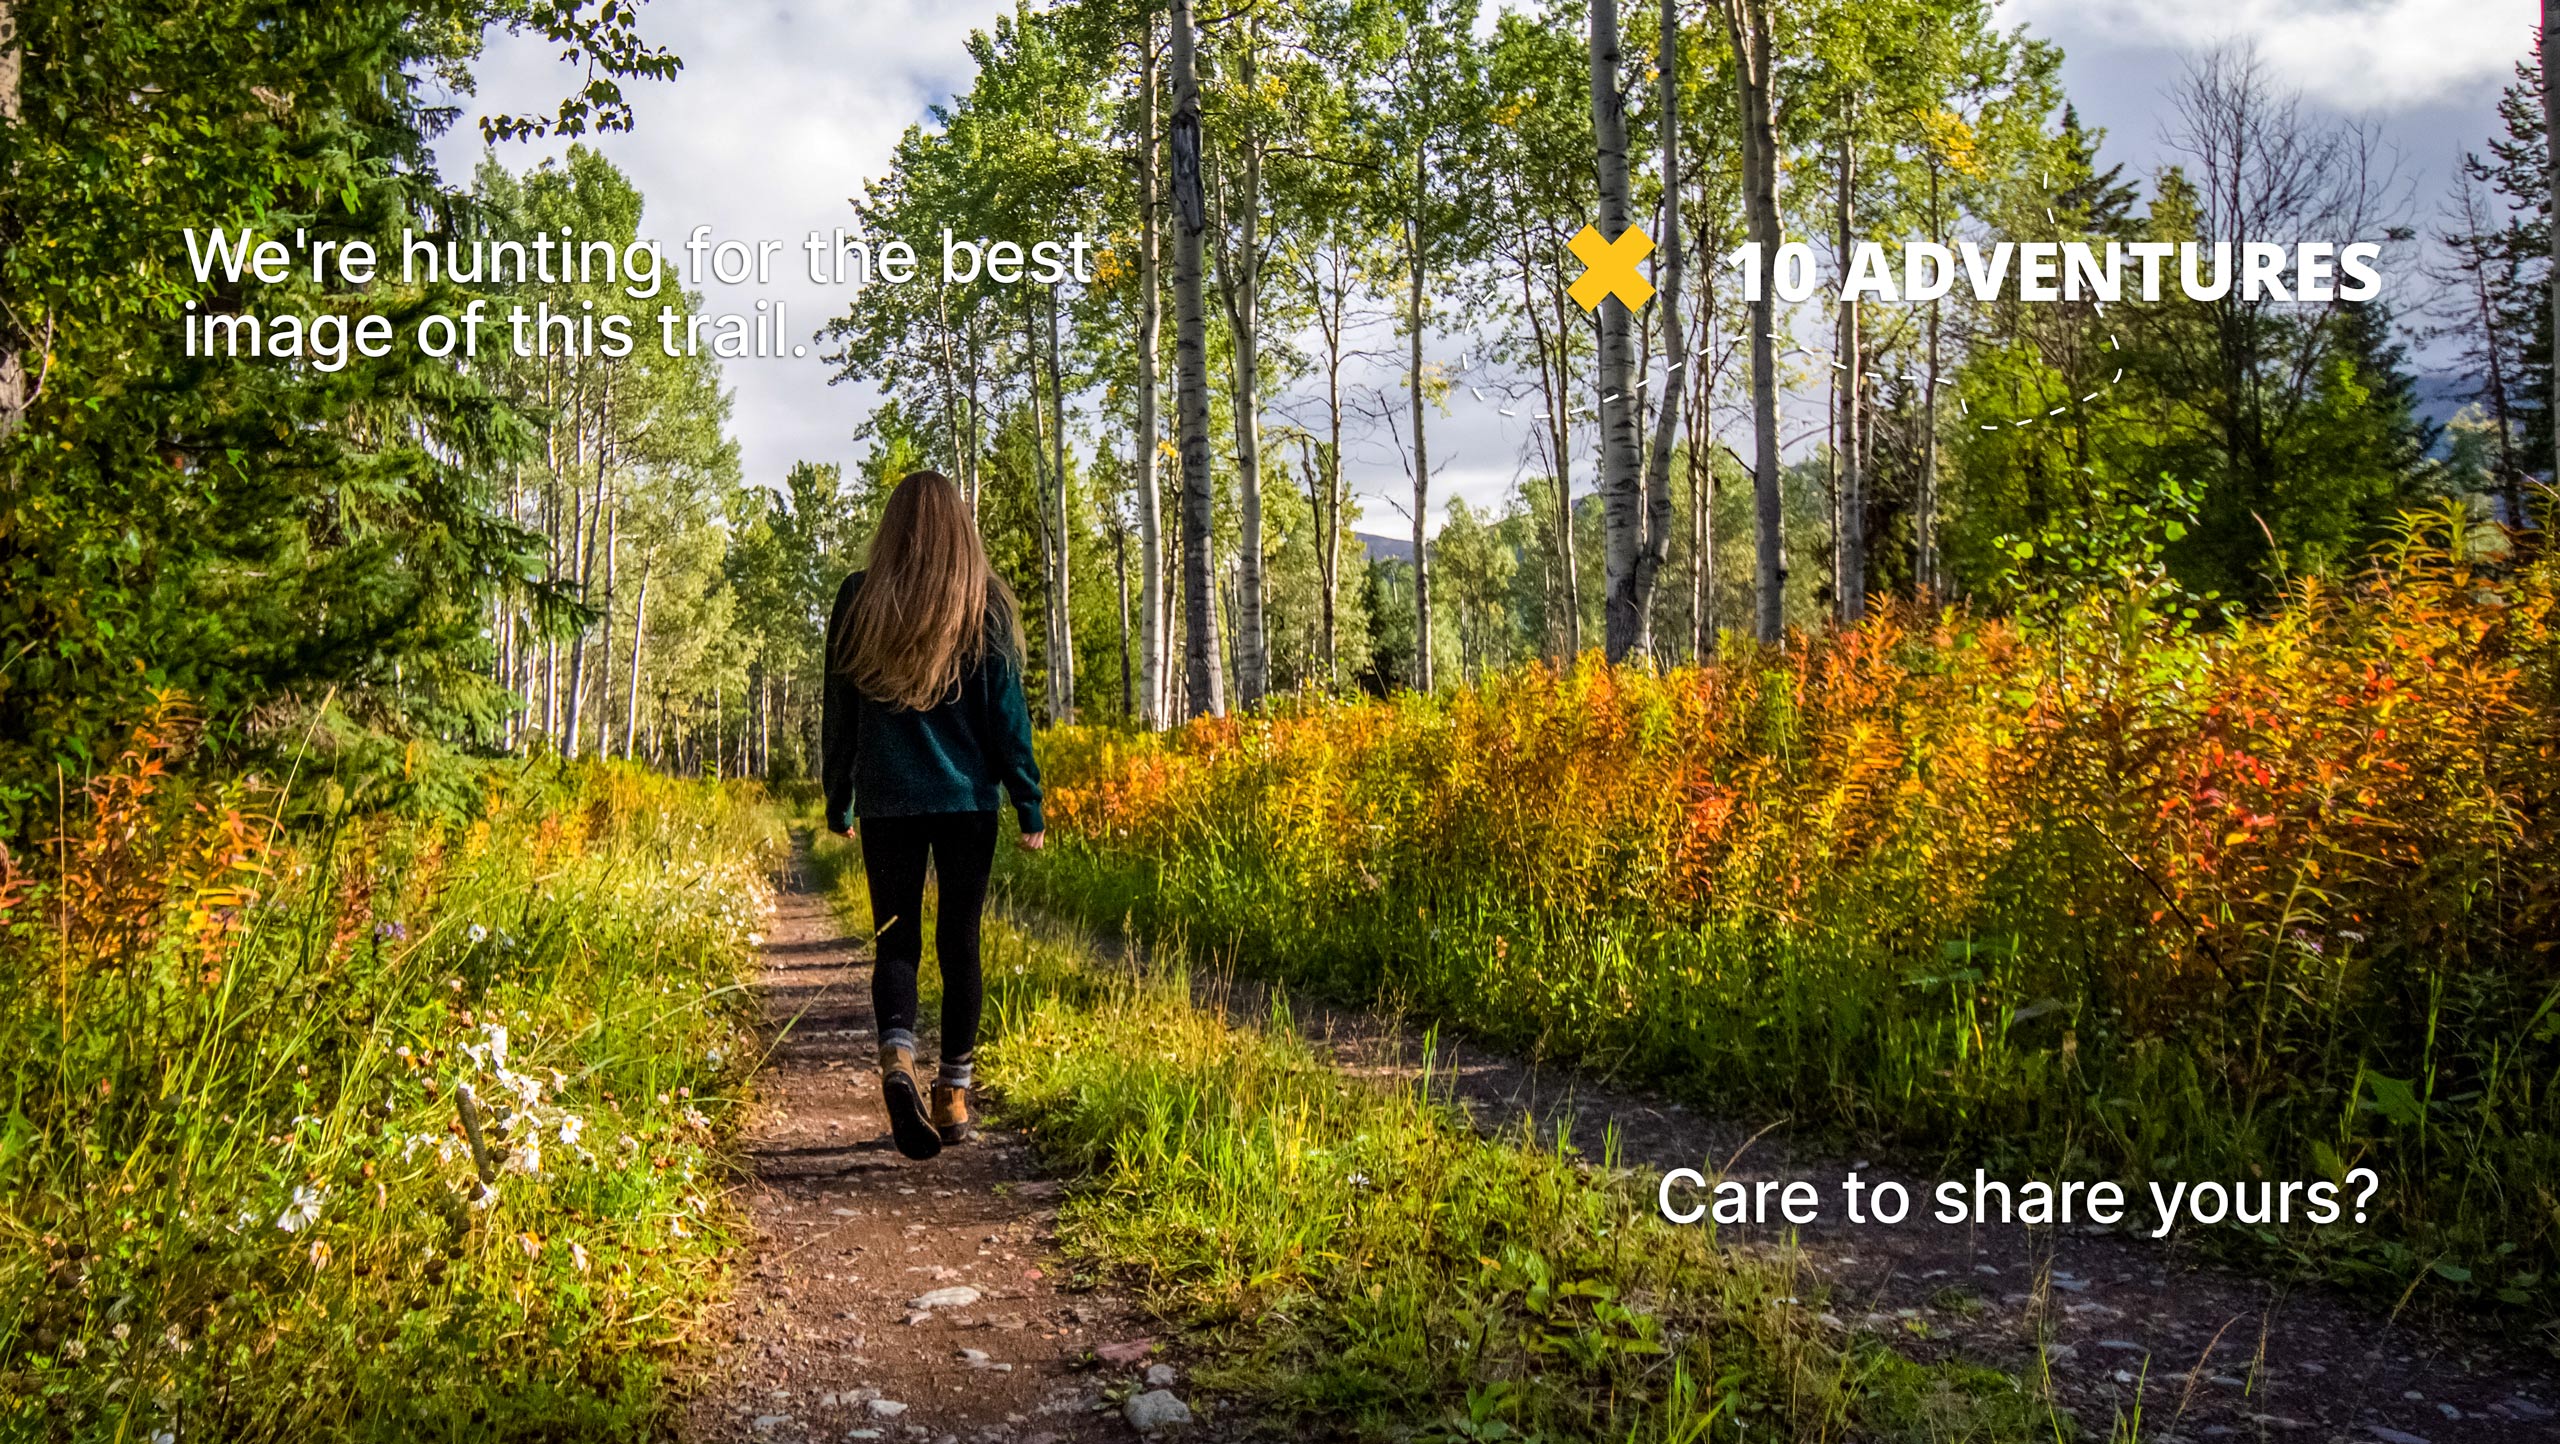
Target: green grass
(1342,1254)
(1980,1060)
(238,1199)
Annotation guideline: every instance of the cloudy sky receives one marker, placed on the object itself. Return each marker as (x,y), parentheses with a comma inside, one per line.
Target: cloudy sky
(784,109)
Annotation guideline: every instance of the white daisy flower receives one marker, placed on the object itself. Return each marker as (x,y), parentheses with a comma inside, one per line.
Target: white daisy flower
(304,1211)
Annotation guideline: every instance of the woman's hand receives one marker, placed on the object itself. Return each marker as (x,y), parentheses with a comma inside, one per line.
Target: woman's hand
(844,832)
(1032,841)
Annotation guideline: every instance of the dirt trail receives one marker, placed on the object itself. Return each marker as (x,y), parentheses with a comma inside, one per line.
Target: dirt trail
(845,1233)
(820,1340)
(2202,1351)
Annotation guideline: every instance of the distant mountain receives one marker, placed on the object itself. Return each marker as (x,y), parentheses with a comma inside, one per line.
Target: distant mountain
(2440,395)
(1375,548)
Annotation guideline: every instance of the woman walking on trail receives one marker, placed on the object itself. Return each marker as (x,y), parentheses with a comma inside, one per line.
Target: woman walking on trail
(925,720)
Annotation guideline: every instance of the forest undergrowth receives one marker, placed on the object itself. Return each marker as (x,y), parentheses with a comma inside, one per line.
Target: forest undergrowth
(367,1101)
(2096,891)
(1358,1259)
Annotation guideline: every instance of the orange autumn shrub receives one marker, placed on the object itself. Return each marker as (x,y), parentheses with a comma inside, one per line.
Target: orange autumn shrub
(242,1193)
(2111,893)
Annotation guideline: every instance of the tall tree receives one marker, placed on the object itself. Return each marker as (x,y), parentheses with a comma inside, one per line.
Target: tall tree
(2480,284)
(2259,360)
(2515,165)
(1621,456)
(1153,645)
(1747,25)
(243,529)
(1849,543)
(1540,158)
(1204,674)
(1673,272)
(1240,263)
(1424,119)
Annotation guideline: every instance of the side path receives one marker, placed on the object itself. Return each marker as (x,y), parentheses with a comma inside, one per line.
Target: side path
(881,1298)
(2120,1326)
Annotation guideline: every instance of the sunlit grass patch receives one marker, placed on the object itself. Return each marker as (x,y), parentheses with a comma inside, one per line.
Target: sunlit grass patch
(1357,1255)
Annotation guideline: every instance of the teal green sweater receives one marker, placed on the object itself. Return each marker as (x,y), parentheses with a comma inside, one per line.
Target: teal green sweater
(880,760)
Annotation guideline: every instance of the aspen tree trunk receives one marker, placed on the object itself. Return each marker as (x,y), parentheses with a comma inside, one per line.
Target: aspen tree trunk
(1850,581)
(1329,515)
(1747,25)
(1151,618)
(1702,535)
(1176,679)
(1243,293)
(1311,466)
(951,392)
(1120,571)
(1329,547)
(1422,680)
(571,724)
(1702,483)
(1675,341)
(1206,689)
(1062,665)
(604,661)
(1045,526)
(1555,380)
(1621,460)
(977,418)
(639,637)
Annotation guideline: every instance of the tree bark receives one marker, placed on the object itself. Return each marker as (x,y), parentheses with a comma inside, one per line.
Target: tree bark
(1702,482)
(1555,383)
(639,635)
(977,420)
(1244,312)
(1206,679)
(604,640)
(1675,341)
(1062,695)
(950,388)
(1747,25)
(1850,579)
(1151,628)
(1120,574)
(586,563)
(1327,502)
(1422,678)
(1621,459)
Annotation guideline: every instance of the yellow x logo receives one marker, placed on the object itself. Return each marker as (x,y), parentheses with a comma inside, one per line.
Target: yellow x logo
(1610,268)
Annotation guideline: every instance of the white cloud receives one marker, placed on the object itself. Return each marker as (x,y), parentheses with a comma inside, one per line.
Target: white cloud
(2352,54)
(780,114)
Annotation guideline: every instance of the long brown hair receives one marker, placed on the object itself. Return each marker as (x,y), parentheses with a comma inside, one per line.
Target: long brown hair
(929,606)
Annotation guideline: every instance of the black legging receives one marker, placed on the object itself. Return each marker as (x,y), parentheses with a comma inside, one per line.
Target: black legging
(962,846)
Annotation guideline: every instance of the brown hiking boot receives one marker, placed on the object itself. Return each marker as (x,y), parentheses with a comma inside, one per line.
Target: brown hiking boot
(914,1133)
(951,1116)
